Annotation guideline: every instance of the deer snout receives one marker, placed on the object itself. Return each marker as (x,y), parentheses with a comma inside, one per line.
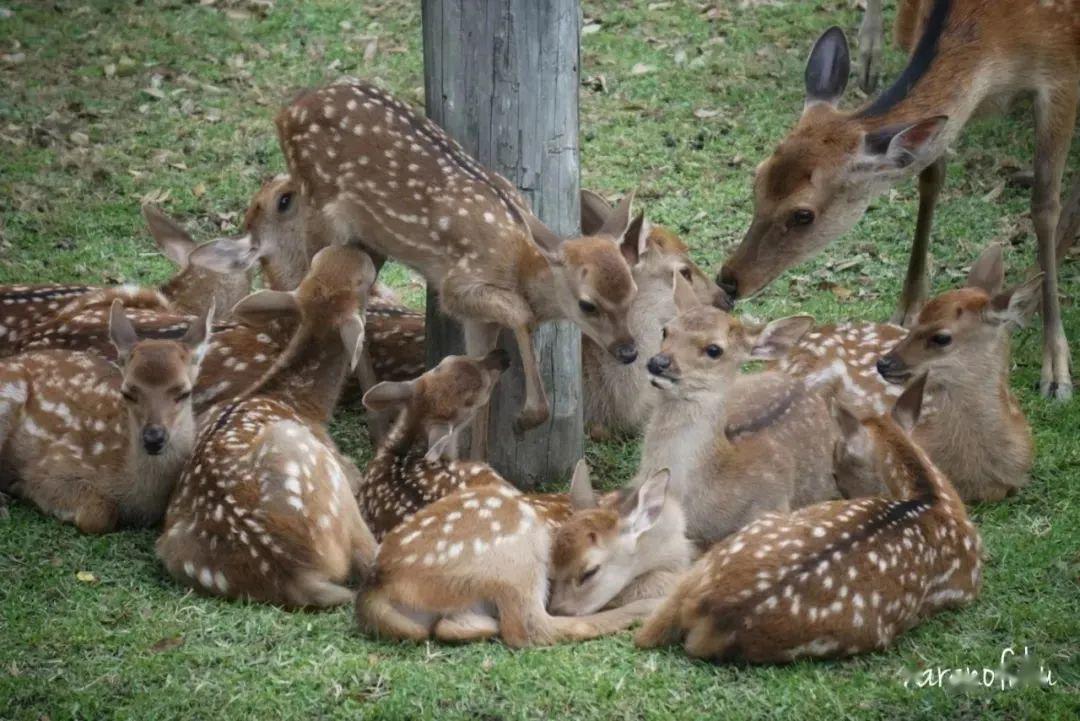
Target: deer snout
(153,439)
(892,369)
(659,364)
(625,351)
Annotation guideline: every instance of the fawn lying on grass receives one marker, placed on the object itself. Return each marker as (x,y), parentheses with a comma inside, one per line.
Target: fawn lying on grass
(836,578)
(738,445)
(264,509)
(618,396)
(94,445)
(476,564)
(971,425)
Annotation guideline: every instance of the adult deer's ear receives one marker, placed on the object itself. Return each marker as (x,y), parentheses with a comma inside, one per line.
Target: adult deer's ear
(827,68)
(1016,304)
(171,238)
(896,147)
(909,404)
(264,306)
(582,496)
(121,332)
(988,272)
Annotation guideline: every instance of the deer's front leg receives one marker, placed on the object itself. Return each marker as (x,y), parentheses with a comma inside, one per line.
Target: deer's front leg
(917,284)
(95,514)
(535,410)
(871,40)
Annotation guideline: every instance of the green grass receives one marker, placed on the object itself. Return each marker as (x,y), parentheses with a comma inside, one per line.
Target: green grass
(130,644)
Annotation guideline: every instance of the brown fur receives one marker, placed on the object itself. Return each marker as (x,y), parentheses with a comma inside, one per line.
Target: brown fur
(834,579)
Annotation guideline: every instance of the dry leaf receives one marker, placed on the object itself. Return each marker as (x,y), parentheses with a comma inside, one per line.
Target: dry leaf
(13,58)
(680,56)
(659,6)
(590,29)
(86,577)
(370,49)
(641,69)
(704,113)
(995,192)
(167,644)
(487,664)
(345,25)
(110,70)
(199,190)
(841,292)
(153,92)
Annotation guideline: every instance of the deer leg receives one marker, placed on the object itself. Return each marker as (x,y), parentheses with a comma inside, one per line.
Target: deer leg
(1068,222)
(535,410)
(480,339)
(466,626)
(917,284)
(603,623)
(871,40)
(95,513)
(1055,116)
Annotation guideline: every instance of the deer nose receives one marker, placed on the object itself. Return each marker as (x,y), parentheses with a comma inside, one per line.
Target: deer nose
(153,438)
(659,363)
(886,366)
(728,282)
(626,353)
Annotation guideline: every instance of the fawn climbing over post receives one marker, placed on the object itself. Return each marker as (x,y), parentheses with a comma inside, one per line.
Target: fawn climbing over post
(264,508)
(95,446)
(837,578)
(971,55)
(372,172)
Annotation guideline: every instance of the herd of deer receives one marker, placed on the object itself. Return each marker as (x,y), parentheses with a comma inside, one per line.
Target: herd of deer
(814,508)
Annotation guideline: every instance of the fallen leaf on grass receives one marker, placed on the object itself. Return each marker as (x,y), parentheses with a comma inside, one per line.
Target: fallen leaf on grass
(155,197)
(13,58)
(199,190)
(704,113)
(370,49)
(80,139)
(590,29)
(167,644)
(86,577)
(994,193)
(641,69)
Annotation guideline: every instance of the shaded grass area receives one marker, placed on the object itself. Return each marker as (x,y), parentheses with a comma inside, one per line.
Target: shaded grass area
(172,101)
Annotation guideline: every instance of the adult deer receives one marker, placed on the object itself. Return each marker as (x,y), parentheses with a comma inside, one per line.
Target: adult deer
(970,56)
(372,172)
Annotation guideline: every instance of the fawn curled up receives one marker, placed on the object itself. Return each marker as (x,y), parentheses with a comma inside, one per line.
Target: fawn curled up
(264,509)
(95,445)
(836,578)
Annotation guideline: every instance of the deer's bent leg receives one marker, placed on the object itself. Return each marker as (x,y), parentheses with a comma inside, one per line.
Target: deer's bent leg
(871,40)
(916,283)
(480,339)
(1055,117)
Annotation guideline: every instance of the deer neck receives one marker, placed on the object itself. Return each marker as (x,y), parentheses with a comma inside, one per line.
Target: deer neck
(541,286)
(404,435)
(682,432)
(311,379)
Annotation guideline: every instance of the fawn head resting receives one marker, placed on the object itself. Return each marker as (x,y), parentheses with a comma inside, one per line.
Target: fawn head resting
(823,175)
(157,377)
(445,398)
(863,458)
(273,234)
(591,274)
(703,347)
(959,329)
(599,550)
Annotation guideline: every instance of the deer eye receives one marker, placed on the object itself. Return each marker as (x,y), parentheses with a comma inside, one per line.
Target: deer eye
(587,575)
(128,396)
(587,307)
(284,201)
(663,333)
(686,273)
(941,339)
(181,397)
(802,216)
(714,351)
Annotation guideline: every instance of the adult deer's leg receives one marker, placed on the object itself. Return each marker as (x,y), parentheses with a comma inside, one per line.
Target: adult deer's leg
(1068,222)
(1055,116)
(871,39)
(917,284)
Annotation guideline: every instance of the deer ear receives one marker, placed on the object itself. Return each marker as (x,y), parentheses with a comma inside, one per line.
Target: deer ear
(899,146)
(264,306)
(546,240)
(850,426)
(635,239)
(198,335)
(171,238)
(618,221)
(582,496)
(227,255)
(1017,304)
(685,297)
(389,394)
(121,332)
(777,338)
(988,272)
(909,404)
(649,503)
(594,211)
(827,68)
(439,438)
(352,336)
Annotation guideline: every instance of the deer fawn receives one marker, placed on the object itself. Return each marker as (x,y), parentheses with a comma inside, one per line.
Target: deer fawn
(95,446)
(264,509)
(372,172)
(618,396)
(737,445)
(820,179)
(410,468)
(971,425)
(476,564)
(394,337)
(836,578)
(27,312)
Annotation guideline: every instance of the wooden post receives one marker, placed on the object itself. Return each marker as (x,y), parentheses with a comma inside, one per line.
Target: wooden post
(501,77)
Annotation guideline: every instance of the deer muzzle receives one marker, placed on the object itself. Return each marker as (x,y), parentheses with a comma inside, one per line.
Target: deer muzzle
(154,438)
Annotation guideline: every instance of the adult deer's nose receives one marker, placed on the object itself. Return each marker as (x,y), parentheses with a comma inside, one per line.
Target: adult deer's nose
(728,282)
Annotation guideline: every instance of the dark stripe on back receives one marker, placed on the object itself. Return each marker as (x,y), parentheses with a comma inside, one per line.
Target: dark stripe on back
(766,419)
(925,52)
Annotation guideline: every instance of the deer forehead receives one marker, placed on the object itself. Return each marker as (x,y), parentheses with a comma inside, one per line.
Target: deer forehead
(952,304)
(706,322)
(810,153)
(667,242)
(157,363)
(450,389)
(580,534)
(606,270)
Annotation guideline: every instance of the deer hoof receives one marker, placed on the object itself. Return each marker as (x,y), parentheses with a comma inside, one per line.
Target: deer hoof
(1056,391)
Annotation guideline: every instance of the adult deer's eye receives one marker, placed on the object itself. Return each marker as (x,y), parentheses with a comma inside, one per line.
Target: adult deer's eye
(686,273)
(714,351)
(941,339)
(587,307)
(588,574)
(802,216)
(284,201)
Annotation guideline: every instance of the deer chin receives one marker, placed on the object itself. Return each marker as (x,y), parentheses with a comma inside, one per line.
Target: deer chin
(663,382)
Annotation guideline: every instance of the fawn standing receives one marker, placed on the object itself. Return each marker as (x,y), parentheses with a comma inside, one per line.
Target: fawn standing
(971,55)
(264,509)
(971,425)
(836,578)
(737,445)
(93,445)
(618,396)
(476,564)
(372,172)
